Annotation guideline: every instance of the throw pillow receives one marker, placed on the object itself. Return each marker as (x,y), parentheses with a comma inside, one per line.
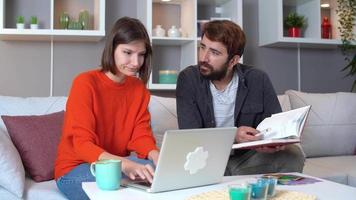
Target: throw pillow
(36,138)
(163,116)
(12,173)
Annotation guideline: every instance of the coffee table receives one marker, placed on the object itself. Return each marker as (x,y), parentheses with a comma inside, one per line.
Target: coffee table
(324,190)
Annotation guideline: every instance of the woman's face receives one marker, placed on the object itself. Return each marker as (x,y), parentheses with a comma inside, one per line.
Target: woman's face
(130,57)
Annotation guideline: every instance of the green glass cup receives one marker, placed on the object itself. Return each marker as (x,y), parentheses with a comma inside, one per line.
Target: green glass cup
(64,20)
(239,191)
(84,19)
(74,25)
(107,174)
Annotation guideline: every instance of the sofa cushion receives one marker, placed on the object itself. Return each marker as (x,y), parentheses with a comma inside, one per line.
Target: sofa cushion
(284,101)
(337,165)
(314,168)
(163,116)
(5,194)
(12,173)
(42,190)
(36,138)
(331,126)
(352,179)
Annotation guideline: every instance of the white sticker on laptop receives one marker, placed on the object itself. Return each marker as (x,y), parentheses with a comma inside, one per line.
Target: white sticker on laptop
(196,160)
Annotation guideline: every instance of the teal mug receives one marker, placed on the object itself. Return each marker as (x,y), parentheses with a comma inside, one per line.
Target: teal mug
(107,174)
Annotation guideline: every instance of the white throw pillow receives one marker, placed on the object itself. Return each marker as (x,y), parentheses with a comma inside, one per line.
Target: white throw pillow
(12,173)
(163,116)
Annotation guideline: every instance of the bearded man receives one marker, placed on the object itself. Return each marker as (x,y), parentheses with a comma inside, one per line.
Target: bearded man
(221,92)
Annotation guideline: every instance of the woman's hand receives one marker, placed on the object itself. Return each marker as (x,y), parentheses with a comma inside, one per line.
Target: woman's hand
(135,170)
(131,169)
(153,155)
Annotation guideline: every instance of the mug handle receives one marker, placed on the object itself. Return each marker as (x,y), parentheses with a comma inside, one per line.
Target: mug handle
(92,168)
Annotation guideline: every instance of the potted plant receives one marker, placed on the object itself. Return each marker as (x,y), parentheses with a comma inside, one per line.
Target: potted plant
(34,22)
(20,22)
(346,11)
(294,22)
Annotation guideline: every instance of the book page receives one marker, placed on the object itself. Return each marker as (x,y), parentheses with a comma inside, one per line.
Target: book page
(284,124)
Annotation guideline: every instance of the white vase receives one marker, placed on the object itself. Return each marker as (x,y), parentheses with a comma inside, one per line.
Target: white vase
(34,26)
(159,31)
(20,26)
(173,32)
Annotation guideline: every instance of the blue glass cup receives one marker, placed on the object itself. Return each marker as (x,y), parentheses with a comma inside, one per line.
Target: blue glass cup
(272,183)
(259,190)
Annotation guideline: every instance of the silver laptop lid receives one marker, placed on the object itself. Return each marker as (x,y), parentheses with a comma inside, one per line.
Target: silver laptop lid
(192,157)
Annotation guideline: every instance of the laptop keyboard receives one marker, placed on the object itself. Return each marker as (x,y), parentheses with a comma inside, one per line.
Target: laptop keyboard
(142,182)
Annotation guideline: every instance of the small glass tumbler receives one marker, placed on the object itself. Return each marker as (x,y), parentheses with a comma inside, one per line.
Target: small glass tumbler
(272,183)
(239,191)
(259,190)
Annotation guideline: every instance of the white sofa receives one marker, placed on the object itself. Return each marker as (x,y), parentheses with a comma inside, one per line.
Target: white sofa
(328,156)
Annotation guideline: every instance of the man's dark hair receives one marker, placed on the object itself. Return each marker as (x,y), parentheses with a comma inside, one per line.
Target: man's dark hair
(228,33)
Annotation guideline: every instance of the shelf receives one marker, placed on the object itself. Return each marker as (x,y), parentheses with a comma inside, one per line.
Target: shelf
(304,42)
(49,20)
(46,34)
(273,34)
(171,41)
(158,86)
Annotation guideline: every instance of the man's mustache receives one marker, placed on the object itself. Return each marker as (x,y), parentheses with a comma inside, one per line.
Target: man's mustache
(205,64)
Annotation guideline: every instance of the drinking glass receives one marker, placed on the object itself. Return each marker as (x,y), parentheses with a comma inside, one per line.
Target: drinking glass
(239,191)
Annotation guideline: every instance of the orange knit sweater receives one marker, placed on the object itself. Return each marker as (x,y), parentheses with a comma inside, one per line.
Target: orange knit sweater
(102,115)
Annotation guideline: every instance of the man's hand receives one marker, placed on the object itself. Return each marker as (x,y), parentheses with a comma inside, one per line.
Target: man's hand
(246,134)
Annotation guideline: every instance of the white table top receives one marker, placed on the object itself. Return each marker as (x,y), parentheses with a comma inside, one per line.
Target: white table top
(324,190)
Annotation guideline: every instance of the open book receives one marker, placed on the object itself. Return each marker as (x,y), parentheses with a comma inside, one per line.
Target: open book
(279,129)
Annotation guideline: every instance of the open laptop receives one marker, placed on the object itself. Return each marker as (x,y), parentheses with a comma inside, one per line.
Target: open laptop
(190,158)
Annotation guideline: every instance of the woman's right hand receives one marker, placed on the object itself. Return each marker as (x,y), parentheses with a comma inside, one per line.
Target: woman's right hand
(132,169)
(135,170)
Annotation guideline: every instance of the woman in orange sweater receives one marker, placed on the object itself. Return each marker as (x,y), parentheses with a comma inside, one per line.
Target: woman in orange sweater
(107,113)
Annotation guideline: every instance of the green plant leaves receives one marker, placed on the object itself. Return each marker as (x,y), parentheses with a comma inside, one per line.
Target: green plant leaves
(294,20)
(346,11)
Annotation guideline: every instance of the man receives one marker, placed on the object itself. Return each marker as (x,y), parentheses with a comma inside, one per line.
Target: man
(220,92)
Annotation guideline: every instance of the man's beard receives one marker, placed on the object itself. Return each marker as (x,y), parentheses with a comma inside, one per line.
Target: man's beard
(208,71)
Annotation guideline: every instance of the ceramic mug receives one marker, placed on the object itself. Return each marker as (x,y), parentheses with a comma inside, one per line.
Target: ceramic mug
(107,174)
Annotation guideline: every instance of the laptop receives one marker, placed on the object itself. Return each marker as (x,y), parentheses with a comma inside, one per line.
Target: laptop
(189,158)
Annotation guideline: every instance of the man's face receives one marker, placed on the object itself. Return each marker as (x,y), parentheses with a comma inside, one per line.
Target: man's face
(213,59)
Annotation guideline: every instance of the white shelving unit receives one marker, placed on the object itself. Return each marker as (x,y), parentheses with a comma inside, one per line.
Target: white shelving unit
(273,12)
(48,13)
(177,53)
(272,33)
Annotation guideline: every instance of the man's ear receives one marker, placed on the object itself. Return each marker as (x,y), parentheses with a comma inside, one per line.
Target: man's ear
(234,60)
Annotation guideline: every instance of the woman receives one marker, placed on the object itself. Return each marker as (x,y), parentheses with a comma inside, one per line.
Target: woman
(106,113)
